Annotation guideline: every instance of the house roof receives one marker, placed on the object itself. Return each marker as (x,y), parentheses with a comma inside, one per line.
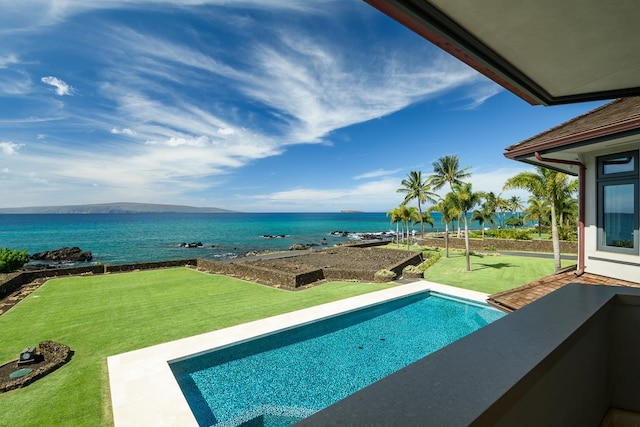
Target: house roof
(545,51)
(614,123)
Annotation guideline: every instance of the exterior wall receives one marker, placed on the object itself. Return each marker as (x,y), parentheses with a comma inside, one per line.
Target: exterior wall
(610,264)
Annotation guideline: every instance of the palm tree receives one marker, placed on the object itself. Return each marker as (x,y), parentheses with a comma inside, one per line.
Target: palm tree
(408,214)
(449,212)
(491,203)
(515,205)
(550,186)
(447,170)
(414,187)
(465,200)
(502,205)
(536,211)
(567,207)
(426,218)
(395,219)
(483,215)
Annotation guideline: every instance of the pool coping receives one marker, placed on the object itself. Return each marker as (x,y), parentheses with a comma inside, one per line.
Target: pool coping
(144,391)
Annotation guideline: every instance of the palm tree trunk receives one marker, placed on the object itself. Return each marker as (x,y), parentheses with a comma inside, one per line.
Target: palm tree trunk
(446,239)
(466,242)
(555,238)
(421,220)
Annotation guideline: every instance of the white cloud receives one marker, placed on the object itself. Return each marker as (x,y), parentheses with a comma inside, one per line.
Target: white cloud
(10,148)
(14,82)
(25,15)
(62,88)
(376,174)
(372,196)
(195,113)
(125,131)
(6,60)
(5,170)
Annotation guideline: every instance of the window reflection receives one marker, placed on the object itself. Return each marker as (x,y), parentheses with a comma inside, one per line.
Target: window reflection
(619,202)
(618,165)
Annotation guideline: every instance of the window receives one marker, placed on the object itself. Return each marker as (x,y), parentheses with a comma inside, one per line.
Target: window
(618,203)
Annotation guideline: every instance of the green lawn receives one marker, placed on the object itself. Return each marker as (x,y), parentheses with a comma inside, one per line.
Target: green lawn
(99,316)
(489,273)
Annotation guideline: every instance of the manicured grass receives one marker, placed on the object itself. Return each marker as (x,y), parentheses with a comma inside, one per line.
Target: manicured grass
(99,316)
(489,273)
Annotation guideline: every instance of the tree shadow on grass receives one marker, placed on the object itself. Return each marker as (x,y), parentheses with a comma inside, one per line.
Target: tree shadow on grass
(498,265)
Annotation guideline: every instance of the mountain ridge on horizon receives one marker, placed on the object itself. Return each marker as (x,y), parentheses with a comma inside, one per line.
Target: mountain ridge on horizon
(112,208)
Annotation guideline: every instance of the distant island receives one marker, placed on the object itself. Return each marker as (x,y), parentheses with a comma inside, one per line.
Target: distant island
(112,208)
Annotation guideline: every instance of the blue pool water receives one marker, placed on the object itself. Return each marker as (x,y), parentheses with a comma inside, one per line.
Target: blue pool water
(282,378)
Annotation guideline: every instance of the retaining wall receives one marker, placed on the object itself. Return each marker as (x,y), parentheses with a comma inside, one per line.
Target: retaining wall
(267,276)
(18,279)
(566,247)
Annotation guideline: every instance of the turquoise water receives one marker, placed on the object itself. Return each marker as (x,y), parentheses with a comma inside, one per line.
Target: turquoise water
(280,379)
(123,238)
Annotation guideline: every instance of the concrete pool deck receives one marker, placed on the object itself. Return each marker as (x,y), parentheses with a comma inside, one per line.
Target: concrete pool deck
(144,391)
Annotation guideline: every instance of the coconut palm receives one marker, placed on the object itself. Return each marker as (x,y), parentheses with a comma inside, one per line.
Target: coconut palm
(408,214)
(515,205)
(491,204)
(449,213)
(414,187)
(550,186)
(395,219)
(483,215)
(502,205)
(426,219)
(465,200)
(537,211)
(567,206)
(447,170)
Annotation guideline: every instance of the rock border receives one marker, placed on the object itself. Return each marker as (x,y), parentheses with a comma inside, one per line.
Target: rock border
(55,355)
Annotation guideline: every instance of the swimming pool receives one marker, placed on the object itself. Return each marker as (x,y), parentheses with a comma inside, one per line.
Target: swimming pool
(281,378)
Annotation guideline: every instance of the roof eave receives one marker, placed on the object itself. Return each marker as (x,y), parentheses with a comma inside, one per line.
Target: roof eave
(583,138)
(429,22)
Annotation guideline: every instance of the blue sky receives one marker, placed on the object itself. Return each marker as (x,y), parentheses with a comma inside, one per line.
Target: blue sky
(257,106)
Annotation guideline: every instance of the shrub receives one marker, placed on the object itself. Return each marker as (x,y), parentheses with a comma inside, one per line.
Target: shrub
(521,234)
(11,260)
(567,233)
(489,248)
(384,275)
(412,272)
(433,258)
(513,221)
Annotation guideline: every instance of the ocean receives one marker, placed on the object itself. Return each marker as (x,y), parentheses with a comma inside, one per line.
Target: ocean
(140,237)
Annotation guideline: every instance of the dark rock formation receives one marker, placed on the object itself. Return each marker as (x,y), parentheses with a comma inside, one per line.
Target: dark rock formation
(74,254)
(302,246)
(191,245)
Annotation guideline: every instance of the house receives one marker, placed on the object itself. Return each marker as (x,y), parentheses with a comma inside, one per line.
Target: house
(601,147)
(569,358)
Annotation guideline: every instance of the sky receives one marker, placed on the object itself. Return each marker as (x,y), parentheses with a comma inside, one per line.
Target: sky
(248,105)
